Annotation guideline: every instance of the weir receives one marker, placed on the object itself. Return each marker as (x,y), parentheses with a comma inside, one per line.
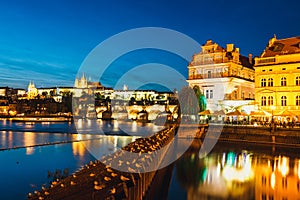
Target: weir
(98,180)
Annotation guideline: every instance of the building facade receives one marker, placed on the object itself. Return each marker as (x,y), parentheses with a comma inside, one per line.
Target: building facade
(225,77)
(277,76)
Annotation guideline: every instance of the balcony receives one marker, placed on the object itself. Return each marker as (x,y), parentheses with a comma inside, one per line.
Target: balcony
(205,76)
(208,61)
(289,58)
(217,75)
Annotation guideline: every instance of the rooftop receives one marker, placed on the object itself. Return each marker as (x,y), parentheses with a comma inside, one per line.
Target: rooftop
(282,47)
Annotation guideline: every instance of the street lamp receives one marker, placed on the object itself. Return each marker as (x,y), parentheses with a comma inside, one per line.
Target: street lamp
(272,108)
(272,120)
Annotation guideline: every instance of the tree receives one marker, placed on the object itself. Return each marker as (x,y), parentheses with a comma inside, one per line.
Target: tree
(201,98)
(188,101)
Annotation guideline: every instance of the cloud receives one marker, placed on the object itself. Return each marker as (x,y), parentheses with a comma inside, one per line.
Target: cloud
(18,72)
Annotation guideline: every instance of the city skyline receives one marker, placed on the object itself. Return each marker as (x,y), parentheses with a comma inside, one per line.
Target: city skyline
(46,43)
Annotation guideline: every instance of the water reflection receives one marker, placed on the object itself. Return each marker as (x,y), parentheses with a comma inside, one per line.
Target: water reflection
(238,175)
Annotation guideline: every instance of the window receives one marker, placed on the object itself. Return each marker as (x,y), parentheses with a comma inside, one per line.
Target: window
(243,95)
(298,100)
(263,82)
(270,70)
(283,68)
(263,70)
(209,94)
(270,82)
(208,74)
(283,81)
(263,197)
(298,80)
(298,67)
(283,101)
(270,101)
(263,101)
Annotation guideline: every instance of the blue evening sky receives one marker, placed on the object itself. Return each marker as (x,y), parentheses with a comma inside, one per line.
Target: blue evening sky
(46,41)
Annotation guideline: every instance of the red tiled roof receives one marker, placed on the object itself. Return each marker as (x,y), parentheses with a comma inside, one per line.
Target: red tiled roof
(282,47)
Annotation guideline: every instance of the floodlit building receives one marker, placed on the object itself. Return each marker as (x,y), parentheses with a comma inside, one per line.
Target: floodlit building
(225,77)
(277,76)
(32,91)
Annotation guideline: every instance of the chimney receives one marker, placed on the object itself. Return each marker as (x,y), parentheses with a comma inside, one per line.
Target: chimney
(250,58)
(229,47)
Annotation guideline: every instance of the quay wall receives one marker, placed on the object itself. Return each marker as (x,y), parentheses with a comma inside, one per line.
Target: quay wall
(262,135)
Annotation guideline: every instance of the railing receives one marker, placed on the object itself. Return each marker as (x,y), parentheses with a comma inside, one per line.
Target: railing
(207,62)
(217,75)
(261,61)
(288,58)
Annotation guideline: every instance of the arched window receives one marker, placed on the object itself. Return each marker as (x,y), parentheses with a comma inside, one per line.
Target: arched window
(270,82)
(298,100)
(263,101)
(283,81)
(270,101)
(263,82)
(298,80)
(283,101)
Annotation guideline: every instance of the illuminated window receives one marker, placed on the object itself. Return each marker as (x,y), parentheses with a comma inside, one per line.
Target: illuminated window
(263,101)
(283,101)
(298,80)
(270,82)
(298,100)
(270,101)
(283,81)
(263,82)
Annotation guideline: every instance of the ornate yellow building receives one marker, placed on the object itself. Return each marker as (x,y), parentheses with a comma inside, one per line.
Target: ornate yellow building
(225,77)
(277,76)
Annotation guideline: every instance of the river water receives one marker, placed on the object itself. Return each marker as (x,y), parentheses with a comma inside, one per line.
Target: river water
(230,171)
